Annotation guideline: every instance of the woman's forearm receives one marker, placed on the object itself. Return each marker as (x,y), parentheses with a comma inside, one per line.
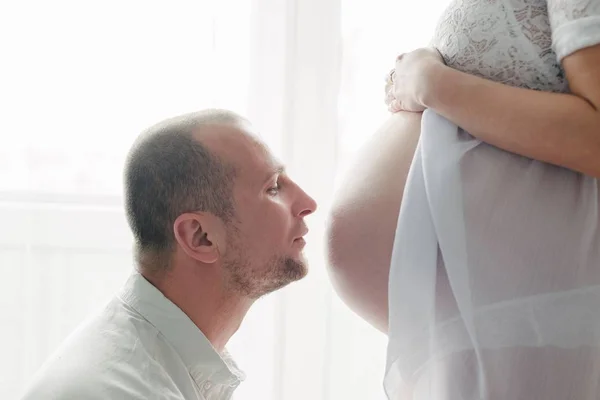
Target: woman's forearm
(561,129)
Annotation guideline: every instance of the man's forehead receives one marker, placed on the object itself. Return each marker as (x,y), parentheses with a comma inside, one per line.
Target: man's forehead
(239,145)
(224,138)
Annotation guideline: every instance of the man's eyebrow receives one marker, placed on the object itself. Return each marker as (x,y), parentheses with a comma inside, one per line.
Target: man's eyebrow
(278,170)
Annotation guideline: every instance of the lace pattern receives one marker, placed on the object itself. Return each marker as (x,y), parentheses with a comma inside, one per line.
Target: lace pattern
(510,41)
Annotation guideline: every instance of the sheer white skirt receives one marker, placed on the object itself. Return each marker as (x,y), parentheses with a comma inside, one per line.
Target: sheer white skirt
(494,288)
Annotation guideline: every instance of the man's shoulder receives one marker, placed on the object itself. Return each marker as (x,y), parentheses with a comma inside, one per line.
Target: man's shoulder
(113,332)
(70,389)
(110,355)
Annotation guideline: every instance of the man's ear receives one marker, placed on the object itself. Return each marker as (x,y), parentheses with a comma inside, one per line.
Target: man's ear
(201,236)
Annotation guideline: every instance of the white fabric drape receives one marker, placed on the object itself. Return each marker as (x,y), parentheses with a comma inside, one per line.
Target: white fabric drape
(479,302)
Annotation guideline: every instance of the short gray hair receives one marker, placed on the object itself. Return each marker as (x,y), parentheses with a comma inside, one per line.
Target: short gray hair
(168,172)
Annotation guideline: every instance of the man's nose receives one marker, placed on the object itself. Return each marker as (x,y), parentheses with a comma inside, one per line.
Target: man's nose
(306,206)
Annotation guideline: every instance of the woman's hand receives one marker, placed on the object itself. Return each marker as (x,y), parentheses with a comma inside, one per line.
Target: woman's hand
(410,81)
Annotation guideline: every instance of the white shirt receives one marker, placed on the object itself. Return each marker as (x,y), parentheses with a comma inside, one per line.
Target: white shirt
(140,346)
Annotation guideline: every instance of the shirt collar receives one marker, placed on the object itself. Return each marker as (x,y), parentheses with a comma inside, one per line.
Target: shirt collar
(200,357)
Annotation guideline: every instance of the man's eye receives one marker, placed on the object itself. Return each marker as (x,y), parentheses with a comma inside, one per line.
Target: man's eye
(274,190)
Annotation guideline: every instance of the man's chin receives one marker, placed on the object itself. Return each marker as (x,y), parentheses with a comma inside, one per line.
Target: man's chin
(296,268)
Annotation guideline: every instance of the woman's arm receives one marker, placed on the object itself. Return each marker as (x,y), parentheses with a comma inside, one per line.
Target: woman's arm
(561,129)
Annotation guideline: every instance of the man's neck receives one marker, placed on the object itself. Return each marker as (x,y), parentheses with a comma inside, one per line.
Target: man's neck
(216,312)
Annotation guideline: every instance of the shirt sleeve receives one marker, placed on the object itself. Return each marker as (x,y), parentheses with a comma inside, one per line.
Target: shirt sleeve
(575,25)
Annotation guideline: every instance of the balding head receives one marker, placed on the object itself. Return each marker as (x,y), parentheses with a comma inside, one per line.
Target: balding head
(170,171)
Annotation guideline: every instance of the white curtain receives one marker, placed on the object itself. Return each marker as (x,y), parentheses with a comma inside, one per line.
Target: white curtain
(79,80)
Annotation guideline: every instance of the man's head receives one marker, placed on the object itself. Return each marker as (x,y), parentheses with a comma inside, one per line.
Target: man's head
(203,190)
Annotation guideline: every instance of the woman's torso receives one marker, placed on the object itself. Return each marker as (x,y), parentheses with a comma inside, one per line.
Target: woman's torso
(537,275)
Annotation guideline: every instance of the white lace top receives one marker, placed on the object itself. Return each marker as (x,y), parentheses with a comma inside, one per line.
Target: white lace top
(494,287)
(517,42)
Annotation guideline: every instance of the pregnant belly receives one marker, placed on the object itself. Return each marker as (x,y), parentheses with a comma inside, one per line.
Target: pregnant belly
(373,186)
(381,166)
(364,217)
